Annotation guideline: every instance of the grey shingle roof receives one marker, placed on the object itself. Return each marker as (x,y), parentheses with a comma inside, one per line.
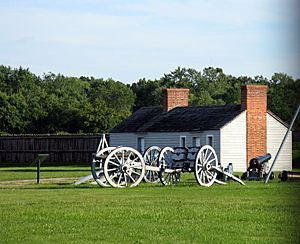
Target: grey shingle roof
(154,119)
(137,119)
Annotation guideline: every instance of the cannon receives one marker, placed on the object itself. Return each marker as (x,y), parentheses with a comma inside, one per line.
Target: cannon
(258,168)
(123,167)
(289,176)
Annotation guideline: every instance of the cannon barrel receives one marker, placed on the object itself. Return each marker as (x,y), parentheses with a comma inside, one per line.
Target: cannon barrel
(289,176)
(258,161)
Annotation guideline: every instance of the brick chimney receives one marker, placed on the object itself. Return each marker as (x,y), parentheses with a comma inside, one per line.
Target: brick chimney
(254,100)
(175,97)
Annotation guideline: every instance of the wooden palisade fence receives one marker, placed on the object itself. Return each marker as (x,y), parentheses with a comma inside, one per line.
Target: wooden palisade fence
(19,150)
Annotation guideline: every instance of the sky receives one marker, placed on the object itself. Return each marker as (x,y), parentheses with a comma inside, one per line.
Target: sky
(133,39)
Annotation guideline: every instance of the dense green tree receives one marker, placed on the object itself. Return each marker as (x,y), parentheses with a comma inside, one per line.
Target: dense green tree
(233,91)
(110,103)
(181,77)
(65,101)
(12,113)
(284,96)
(147,92)
(24,95)
(56,103)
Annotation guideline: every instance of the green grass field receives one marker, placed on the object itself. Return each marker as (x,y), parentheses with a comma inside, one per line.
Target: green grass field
(63,213)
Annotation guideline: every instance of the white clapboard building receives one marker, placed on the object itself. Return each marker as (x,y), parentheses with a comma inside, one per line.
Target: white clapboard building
(237,132)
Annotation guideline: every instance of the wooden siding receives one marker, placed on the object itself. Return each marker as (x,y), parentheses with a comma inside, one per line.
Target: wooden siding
(19,150)
(123,139)
(233,143)
(163,139)
(275,134)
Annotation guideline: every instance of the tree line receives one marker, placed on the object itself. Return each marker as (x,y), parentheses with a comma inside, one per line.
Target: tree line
(55,103)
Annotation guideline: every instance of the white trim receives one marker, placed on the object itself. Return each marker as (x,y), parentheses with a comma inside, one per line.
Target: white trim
(212,140)
(180,140)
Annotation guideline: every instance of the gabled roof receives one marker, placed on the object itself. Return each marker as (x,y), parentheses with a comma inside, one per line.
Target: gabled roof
(137,119)
(154,119)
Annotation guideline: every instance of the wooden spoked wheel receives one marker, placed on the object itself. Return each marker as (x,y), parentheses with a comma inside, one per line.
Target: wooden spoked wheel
(165,162)
(151,158)
(206,159)
(97,166)
(124,167)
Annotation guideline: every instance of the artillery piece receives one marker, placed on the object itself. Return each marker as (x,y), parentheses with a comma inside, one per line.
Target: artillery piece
(122,167)
(258,168)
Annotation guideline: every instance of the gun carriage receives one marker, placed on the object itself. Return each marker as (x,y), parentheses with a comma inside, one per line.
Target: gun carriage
(122,167)
(258,168)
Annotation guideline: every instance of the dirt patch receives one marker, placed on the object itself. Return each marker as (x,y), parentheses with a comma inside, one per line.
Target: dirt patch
(32,181)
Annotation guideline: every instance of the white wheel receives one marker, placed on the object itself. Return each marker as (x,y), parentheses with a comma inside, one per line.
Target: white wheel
(124,167)
(165,161)
(204,172)
(97,166)
(151,158)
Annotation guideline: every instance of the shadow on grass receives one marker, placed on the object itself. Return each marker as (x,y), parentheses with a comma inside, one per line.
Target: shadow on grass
(56,186)
(183,185)
(68,185)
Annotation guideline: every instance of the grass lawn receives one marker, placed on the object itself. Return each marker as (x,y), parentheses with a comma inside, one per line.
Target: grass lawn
(187,213)
(21,173)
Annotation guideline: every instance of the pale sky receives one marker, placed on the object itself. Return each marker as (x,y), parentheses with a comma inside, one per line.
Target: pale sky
(128,40)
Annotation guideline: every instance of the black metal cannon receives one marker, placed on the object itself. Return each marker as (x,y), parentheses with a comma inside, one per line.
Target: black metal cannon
(258,168)
(289,176)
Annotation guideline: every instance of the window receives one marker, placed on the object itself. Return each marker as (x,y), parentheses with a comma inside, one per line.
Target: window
(141,144)
(183,141)
(195,141)
(210,140)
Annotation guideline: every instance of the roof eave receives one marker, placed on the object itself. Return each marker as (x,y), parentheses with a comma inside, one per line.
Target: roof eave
(277,118)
